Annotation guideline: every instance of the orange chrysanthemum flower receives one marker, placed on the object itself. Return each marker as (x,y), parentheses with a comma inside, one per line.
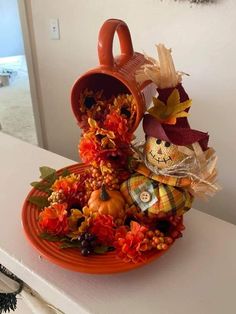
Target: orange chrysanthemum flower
(88,149)
(70,189)
(128,243)
(68,185)
(54,220)
(103,227)
(119,125)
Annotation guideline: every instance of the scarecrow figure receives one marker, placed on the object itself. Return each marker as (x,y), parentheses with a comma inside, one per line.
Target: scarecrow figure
(175,161)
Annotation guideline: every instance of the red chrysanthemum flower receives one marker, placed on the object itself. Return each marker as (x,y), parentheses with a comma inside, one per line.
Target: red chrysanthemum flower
(103,227)
(88,149)
(128,243)
(119,125)
(54,220)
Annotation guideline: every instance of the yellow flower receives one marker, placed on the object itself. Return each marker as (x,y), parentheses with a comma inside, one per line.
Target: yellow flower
(73,220)
(126,103)
(76,214)
(94,128)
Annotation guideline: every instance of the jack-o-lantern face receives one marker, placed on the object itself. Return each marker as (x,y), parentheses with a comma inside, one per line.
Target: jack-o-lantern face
(162,154)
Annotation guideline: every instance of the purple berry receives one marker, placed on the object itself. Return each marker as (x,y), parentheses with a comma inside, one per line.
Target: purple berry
(89,237)
(85,252)
(84,244)
(81,237)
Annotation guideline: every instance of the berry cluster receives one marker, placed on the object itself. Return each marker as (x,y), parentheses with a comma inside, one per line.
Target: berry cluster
(155,240)
(87,243)
(98,178)
(56,197)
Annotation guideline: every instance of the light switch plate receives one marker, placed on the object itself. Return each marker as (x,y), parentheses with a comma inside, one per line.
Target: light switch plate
(54,29)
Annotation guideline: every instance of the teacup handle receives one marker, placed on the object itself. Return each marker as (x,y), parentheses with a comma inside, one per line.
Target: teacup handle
(105,42)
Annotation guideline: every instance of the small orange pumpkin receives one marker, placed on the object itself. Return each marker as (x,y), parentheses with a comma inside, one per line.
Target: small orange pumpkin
(107,203)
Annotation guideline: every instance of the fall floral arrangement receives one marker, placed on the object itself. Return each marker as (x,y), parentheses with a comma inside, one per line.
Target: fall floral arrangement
(129,198)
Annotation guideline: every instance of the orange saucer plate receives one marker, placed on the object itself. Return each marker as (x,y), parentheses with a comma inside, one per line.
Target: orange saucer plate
(71,258)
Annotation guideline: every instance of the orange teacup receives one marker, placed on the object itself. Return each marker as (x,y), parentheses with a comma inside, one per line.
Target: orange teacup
(114,75)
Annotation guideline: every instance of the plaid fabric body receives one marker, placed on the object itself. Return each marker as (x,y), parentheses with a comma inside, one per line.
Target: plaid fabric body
(165,197)
(173,181)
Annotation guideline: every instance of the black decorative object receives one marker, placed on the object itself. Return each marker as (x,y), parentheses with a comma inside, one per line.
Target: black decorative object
(8,300)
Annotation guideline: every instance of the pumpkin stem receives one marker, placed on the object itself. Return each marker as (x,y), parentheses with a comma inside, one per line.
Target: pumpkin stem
(104,196)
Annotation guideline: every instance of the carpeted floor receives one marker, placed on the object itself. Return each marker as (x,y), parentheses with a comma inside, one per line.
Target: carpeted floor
(16,113)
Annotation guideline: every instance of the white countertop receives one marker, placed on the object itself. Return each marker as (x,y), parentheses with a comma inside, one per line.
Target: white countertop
(196,276)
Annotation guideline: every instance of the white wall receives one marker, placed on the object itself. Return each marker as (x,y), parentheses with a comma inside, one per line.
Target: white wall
(11,43)
(203,43)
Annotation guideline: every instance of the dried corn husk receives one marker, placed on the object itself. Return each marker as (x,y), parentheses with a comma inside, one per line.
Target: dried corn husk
(162,72)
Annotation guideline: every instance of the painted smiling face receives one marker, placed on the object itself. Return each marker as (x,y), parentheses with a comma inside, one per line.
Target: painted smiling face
(162,154)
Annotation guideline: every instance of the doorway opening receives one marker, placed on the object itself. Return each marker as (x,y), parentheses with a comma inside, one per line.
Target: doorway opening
(16,111)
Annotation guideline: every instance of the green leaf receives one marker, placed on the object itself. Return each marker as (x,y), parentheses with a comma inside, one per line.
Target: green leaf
(101,249)
(66,245)
(39,201)
(51,237)
(65,172)
(46,172)
(51,178)
(41,186)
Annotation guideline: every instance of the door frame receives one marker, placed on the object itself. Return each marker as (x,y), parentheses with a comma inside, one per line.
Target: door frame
(25,14)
